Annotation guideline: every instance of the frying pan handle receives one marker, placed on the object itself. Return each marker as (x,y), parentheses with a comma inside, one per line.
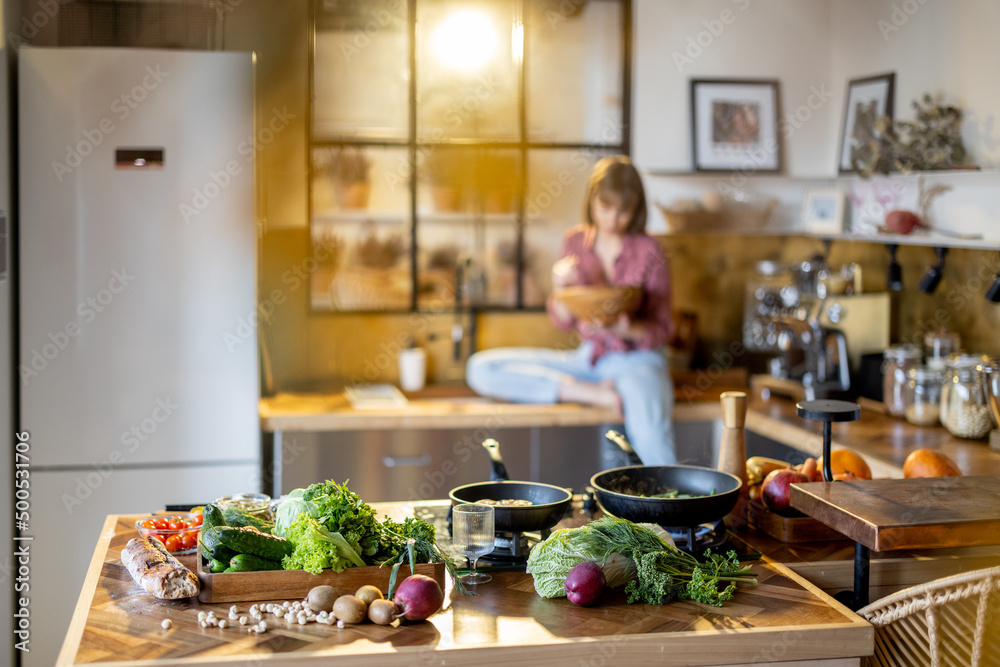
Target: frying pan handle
(623,444)
(498,471)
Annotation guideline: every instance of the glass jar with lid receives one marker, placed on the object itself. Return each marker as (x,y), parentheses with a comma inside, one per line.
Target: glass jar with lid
(922,398)
(898,360)
(965,409)
(255,504)
(939,345)
(768,293)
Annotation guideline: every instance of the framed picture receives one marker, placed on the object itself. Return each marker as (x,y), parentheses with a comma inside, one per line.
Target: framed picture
(734,124)
(823,211)
(866,100)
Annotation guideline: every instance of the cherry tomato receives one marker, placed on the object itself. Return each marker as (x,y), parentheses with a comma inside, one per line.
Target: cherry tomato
(174,524)
(173,543)
(162,523)
(158,537)
(189,539)
(196,519)
(149,523)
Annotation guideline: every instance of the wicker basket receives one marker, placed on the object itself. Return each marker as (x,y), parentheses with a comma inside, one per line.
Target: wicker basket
(734,216)
(950,621)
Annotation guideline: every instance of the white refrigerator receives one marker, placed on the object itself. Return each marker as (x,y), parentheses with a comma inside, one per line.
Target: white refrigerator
(138,384)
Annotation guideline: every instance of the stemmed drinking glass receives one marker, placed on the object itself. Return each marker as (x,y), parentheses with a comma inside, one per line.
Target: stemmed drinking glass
(472,533)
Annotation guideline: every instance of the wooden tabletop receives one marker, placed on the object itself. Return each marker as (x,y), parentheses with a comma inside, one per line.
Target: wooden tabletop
(884,441)
(508,623)
(892,514)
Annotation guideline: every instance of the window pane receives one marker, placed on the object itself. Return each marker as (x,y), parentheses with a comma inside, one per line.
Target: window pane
(468,179)
(574,72)
(467,203)
(468,83)
(360,229)
(557,184)
(360,70)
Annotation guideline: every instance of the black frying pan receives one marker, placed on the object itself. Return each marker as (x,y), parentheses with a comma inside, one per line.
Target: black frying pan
(619,492)
(549,503)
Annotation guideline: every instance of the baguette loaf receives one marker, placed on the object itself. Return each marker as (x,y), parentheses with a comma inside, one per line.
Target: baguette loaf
(157,571)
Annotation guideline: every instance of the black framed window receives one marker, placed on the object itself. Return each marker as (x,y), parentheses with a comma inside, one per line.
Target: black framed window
(450,143)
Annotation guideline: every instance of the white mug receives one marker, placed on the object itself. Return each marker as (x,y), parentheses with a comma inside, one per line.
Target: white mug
(412,369)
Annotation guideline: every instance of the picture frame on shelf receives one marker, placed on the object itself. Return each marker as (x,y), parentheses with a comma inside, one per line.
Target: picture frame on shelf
(823,211)
(734,125)
(867,100)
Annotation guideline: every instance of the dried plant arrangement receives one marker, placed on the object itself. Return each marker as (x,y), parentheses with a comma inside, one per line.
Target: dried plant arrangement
(930,142)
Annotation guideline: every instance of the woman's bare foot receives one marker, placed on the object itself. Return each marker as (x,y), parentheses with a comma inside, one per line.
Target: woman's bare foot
(592,393)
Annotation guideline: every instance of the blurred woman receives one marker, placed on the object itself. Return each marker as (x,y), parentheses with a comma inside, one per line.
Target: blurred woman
(621,365)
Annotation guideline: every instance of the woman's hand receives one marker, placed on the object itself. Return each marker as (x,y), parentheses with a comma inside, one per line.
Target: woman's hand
(566,272)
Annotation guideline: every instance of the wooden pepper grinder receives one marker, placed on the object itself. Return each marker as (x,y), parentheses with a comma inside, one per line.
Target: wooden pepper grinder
(733,452)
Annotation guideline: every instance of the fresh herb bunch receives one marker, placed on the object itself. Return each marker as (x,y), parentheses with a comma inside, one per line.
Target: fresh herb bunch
(665,576)
(395,535)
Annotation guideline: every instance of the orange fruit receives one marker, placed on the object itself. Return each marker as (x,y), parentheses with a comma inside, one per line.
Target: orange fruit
(846,461)
(929,463)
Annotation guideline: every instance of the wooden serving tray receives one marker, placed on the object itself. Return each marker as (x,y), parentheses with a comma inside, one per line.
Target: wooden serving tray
(295,584)
(791,529)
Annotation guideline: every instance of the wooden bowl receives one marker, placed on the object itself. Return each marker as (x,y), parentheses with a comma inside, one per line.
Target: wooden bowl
(600,303)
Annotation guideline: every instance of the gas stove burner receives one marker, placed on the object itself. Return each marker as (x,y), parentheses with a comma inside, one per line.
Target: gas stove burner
(508,549)
(683,534)
(711,536)
(698,539)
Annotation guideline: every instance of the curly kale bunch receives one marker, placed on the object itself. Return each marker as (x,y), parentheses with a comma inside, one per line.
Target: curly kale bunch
(664,576)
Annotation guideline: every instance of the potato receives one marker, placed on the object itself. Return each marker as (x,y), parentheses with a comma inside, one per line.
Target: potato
(350,609)
(369,594)
(321,598)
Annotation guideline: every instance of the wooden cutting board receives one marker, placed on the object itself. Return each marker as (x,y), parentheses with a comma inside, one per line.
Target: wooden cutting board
(791,529)
(891,514)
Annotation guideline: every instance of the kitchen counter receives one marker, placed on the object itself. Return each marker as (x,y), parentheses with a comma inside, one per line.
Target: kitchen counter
(882,440)
(457,407)
(784,618)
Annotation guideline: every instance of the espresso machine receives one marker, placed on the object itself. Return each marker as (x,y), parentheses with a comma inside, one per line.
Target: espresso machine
(812,328)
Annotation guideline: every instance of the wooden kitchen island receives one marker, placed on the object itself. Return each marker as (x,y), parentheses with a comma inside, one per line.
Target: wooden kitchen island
(785,620)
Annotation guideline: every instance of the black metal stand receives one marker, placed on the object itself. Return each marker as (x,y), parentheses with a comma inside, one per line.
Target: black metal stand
(829,411)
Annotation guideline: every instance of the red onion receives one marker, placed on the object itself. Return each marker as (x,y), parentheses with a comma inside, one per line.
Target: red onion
(418,596)
(585,583)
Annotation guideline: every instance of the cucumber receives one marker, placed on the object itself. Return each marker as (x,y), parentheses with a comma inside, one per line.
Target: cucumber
(251,563)
(238,517)
(248,540)
(222,553)
(216,566)
(211,518)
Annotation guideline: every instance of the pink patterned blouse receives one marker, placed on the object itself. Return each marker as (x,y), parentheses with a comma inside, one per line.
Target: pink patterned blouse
(641,262)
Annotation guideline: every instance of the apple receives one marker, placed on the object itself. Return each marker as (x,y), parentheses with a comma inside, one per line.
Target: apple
(775,491)
(902,222)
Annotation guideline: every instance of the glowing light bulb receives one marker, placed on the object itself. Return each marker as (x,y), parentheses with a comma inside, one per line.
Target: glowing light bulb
(465,40)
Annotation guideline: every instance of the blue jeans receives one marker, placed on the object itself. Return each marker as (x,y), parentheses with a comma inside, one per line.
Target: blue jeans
(641,377)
